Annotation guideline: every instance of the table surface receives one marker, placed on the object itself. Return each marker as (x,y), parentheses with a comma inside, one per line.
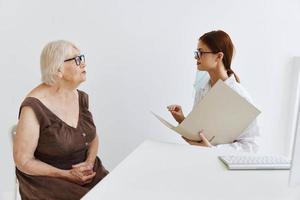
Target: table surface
(157,170)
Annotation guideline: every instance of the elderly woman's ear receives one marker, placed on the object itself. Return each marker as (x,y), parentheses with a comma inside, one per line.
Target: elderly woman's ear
(59,74)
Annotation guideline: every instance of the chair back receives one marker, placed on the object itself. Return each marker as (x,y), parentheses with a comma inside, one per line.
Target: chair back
(12,136)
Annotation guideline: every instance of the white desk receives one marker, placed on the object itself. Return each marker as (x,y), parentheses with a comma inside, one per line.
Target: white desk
(171,171)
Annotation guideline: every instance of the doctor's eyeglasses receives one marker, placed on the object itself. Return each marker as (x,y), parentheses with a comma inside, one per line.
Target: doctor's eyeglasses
(199,53)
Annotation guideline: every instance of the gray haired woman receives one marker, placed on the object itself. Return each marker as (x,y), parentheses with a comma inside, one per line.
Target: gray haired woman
(56,145)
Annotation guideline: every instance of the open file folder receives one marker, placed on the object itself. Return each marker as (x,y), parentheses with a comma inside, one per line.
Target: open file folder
(223,114)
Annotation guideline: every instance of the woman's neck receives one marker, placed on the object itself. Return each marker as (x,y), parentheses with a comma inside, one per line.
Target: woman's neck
(218,73)
(62,91)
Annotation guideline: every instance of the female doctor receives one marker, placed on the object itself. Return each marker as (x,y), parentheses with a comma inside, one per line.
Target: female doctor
(214,54)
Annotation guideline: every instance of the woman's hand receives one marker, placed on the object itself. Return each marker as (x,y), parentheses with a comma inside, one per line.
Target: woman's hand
(74,175)
(204,142)
(81,173)
(84,168)
(176,112)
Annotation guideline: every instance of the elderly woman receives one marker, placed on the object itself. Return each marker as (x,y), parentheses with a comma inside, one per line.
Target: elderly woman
(56,145)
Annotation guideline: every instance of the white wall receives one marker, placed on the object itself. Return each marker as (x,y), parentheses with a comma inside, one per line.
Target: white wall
(140,58)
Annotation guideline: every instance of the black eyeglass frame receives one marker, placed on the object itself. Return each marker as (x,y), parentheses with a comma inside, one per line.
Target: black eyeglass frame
(199,53)
(78,59)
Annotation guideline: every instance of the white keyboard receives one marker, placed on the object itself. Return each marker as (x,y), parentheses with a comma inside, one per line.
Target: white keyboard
(255,162)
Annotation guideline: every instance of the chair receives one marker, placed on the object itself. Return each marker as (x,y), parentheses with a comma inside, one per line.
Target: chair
(16,192)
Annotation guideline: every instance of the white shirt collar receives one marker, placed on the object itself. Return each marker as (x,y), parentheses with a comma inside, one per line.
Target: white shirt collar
(229,81)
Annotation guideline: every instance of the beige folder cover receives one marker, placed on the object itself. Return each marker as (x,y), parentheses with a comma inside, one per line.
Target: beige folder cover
(223,114)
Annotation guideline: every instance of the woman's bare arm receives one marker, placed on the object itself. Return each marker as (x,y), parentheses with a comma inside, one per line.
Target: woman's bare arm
(25,143)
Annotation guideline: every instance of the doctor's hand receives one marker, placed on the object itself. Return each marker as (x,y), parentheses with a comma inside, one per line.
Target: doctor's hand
(176,112)
(204,142)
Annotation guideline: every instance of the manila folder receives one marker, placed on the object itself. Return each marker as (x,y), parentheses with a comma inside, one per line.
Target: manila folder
(222,115)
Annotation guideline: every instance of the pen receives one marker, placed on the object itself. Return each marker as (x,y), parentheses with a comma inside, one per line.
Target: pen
(211,138)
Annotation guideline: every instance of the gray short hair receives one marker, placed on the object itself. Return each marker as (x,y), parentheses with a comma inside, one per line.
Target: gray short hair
(52,59)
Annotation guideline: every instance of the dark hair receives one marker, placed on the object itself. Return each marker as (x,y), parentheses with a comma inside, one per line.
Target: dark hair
(219,41)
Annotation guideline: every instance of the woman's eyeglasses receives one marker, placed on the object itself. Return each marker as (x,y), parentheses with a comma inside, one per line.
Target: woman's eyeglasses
(78,59)
(199,53)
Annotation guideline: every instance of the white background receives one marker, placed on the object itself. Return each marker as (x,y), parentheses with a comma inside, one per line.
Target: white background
(140,58)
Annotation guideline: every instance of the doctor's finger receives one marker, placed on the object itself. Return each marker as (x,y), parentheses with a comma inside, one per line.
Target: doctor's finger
(204,140)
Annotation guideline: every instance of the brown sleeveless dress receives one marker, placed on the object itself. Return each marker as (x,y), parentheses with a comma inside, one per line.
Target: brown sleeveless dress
(61,146)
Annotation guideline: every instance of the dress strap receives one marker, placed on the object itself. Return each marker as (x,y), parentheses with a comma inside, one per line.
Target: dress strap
(84,99)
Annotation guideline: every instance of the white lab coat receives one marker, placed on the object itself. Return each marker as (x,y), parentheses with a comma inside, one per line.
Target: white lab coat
(248,140)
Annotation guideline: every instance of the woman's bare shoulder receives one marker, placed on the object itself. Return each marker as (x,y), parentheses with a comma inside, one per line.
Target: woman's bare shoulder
(38,92)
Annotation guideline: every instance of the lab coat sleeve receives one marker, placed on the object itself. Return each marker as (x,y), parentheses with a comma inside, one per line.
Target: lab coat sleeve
(248,141)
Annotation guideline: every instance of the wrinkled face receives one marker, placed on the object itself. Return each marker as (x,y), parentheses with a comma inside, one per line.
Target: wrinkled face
(206,59)
(73,70)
